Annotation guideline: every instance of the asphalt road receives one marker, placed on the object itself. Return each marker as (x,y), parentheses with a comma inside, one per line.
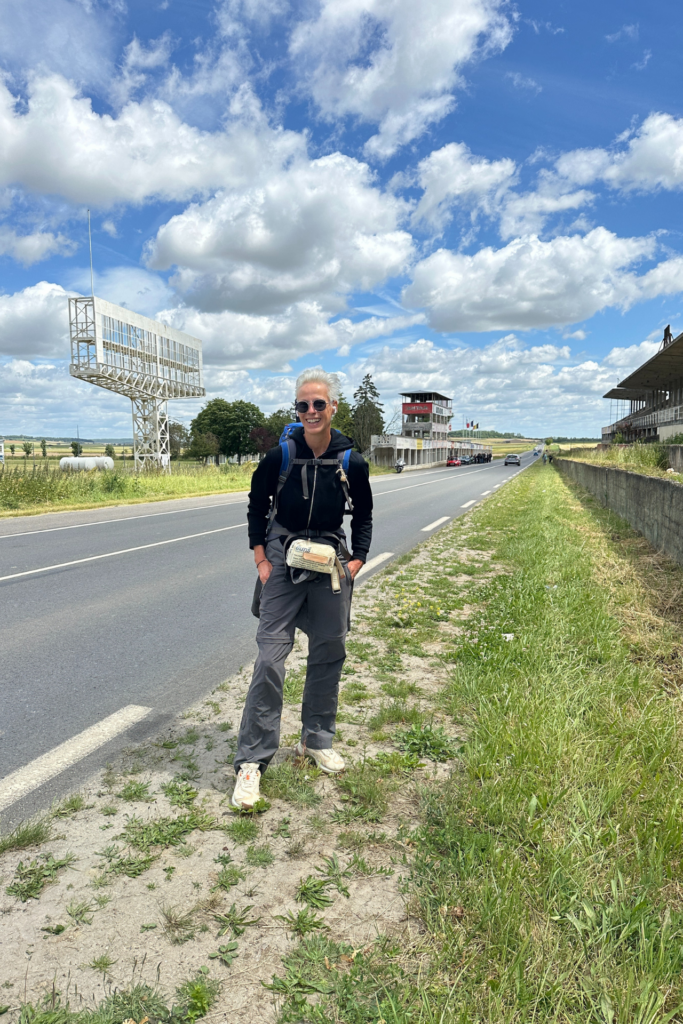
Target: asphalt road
(159,621)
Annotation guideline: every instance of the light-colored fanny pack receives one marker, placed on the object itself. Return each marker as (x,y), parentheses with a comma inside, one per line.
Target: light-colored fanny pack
(307,554)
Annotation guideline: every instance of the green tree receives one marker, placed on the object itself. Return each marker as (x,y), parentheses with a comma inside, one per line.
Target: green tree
(109,451)
(203,446)
(277,421)
(28,448)
(12,449)
(368,413)
(178,438)
(43,448)
(76,448)
(343,418)
(548,440)
(231,422)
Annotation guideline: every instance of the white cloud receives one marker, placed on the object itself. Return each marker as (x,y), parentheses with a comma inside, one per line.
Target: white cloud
(137,60)
(641,64)
(272,342)
(652,159)
(59,35)
(527,213)
(145,152)
(312,232)
(625,32)
(131,287)
(506,384)
(452,174)
(394,62)
(522,82)
(530,283)
(631,357)
(28,249)
(34,323)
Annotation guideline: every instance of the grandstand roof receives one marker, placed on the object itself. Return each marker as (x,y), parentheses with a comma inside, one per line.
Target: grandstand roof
(660,371)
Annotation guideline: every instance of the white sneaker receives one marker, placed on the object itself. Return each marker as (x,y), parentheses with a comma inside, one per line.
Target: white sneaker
(246,791)
(327,760)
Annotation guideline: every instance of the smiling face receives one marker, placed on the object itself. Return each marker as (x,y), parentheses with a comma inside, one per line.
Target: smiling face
(316,424)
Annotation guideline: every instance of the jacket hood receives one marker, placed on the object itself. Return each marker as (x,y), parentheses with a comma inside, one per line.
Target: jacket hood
(339,442)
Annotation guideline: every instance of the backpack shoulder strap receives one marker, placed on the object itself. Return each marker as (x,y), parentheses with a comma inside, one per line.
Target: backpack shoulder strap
(344,460)
(288,449)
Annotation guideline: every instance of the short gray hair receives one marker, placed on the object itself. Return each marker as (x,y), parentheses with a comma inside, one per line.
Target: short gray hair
(316,375)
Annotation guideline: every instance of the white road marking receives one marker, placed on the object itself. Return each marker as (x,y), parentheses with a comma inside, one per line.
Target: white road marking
(124,551)
(377,560)
(124,519)
(496,485)
(431,483)
(468,503)
(437,522)
(483,493)
(24,780)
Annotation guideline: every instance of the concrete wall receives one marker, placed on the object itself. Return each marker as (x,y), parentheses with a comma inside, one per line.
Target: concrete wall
(652,506)
(675,452)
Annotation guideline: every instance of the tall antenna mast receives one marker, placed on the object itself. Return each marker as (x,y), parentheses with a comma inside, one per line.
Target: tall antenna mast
(92,287)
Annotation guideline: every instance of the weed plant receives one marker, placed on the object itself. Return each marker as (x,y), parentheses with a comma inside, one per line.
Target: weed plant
(313,892)
(30,879)
(27,834)
(165,832)
(303,922)
(427,741)
(235,921)
(179,792)
(293,689)
(134,791)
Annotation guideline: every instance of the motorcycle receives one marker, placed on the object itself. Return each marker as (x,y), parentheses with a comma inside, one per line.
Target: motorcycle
(399,467)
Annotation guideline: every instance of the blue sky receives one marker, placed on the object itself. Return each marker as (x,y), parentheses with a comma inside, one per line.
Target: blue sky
(469,195)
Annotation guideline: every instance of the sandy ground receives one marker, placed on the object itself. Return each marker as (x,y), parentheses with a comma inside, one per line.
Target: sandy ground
(92,929)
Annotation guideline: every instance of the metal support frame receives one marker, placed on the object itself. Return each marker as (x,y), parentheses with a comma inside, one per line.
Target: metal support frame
(150,433)
(148,375)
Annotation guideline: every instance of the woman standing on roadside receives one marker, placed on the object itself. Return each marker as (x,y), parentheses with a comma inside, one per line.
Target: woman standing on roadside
(310,503)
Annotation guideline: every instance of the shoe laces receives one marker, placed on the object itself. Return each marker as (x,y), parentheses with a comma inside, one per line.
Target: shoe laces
(249,775)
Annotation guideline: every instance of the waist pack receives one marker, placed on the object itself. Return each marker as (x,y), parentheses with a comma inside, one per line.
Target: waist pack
(313,557)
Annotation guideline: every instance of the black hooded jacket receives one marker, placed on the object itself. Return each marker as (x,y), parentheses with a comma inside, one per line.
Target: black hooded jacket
(324,508)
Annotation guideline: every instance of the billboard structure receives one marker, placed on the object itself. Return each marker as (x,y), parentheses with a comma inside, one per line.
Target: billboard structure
(144,359)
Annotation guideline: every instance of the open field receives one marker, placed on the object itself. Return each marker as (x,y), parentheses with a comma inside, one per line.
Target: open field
(504,846)
(24,491)
(501,447)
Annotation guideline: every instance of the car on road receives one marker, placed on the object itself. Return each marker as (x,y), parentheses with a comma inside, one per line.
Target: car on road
(452,460)
(513,460)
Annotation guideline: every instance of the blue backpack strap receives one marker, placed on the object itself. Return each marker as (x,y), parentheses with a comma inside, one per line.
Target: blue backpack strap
(288,449)
(346,458)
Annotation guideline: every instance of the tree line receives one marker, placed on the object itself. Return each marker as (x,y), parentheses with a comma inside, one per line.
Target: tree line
(239,428)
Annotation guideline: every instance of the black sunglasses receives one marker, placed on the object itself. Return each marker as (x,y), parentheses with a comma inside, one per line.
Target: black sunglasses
(318,404)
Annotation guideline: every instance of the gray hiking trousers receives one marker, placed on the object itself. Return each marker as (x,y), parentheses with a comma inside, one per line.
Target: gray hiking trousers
(324,617)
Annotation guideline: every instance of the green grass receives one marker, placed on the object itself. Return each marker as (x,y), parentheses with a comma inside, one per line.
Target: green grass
(260,856)
(546,871)
(179,792)
(69,806)
(292,782)
(30,879)
(165,832)
(365,791)
(242,830)
(49,488)
(293,689)
(427,741)
(135,791)
(27,834)
(229,876)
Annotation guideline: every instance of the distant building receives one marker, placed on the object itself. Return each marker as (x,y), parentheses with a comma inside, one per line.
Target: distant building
(425,423)
(650,400)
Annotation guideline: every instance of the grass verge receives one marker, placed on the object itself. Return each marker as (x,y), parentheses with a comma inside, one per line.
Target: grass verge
(546,873)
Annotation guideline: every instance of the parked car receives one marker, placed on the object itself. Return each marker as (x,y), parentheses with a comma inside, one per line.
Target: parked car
(452,460)
(513,460)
